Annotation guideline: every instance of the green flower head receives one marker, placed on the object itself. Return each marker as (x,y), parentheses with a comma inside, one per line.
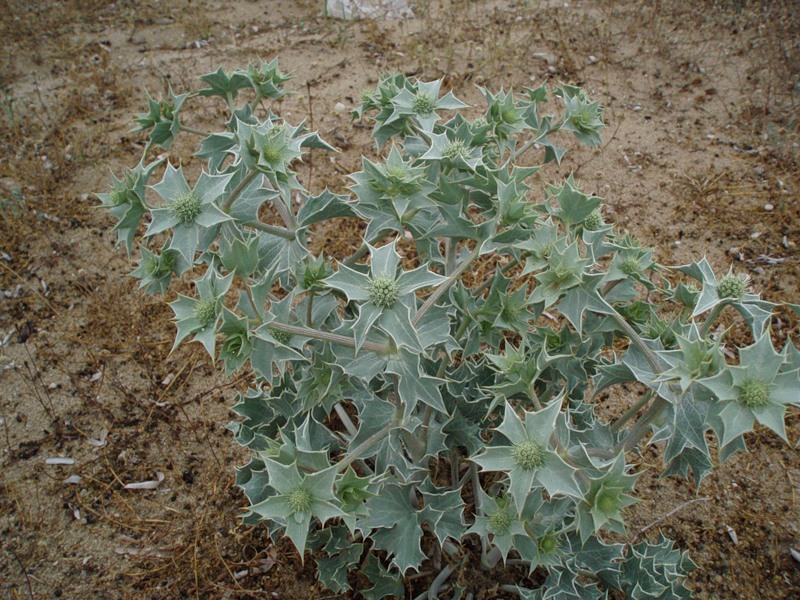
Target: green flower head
(733,286)
(530,462)
(757,389)
(529,455)
(384,291)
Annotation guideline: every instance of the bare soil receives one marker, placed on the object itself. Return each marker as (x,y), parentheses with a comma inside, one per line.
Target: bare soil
(700,158)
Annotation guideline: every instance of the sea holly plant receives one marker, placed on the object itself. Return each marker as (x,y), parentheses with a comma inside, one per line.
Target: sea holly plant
(428,401)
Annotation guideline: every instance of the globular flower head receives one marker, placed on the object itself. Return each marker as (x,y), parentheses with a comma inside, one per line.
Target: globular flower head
(384,291)
(424,104)
(629,266)
(733,286)
(205,311)
(594,221)
(529,455)
(455,150)
(499,522)
(753,393)
(186,206)
(300,500)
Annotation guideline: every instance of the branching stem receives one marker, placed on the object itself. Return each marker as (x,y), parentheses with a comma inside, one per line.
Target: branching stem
(445,285)
(194,131)
(368,443)
(632,411)
(325,336)
(226,207)
(272,229)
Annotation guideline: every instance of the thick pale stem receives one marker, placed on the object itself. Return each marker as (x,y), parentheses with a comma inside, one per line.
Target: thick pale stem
(445,285)
(325,336)
(271,229)
(310,310)
(285,211)
(711,318)
(368,443)
(637,341)
(476,486)
(226,207)
(361,252)
(256,100)
(632,411)
(345,419)
(493,557)
(194,131)
(450,251)
(504,269)
(639,430)
(534,140)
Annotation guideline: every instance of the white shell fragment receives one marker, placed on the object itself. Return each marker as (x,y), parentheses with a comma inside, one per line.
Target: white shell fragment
(732,535)
(58,460)
(100,441)
(146,485)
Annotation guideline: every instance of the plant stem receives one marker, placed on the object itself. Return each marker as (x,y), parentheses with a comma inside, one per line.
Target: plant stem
(535,139)
(310,309)
(439,291)
(356,256)
(637,341)
(631,412)
(285,211)
(361,252)
(504,269)
(249,292)
(256,100)
(433,591)
(325,336)
(272,229)
(534,397)
(226,207)
(364,446)
(492,558)
(462,328)
(194,131)
(450,251)
(639,430)
(476,489)
(610,286)
(711,317)
(343,416)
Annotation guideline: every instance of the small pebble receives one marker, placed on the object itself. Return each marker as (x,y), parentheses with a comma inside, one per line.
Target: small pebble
(339,107)
(768,207)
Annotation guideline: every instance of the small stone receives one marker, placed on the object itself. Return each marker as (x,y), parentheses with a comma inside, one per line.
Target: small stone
(768,207)
(339,107)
